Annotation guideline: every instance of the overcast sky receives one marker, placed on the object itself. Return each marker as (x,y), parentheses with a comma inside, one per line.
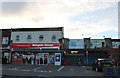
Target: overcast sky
(80,18)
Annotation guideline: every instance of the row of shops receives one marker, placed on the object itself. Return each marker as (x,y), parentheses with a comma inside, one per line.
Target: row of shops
(34,58)
(36,46)
(47,46)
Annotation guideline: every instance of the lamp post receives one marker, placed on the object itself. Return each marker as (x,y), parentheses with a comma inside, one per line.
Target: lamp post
(61,40)
(87,57)
(11,49)
(10,53)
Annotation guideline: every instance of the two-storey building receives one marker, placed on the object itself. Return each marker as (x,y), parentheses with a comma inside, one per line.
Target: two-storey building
(75,52)
(37,45)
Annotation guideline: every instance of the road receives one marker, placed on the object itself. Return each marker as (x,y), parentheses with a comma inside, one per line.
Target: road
(48,70)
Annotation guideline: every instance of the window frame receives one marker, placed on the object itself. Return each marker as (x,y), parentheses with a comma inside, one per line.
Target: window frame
(53,38)
(29,37)
(41,37)
(17,38)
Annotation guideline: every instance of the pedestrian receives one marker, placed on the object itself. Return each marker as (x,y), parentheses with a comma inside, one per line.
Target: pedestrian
(30,60)
(45,60)
(26,60)
(5,60)
(79,62)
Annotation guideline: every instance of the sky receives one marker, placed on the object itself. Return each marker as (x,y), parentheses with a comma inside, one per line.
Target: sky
(97,19)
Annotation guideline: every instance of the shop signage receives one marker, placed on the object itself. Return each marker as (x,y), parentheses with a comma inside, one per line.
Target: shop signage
(35,45)
(39,45)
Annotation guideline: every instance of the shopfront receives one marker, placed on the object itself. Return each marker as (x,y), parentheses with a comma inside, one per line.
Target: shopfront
(75,52)
(36,58)
(44,59)
(36,45)
(5,55)
(37,54)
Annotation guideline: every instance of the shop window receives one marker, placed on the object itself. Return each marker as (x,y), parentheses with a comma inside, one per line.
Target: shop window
(53,37)
(17,38)
(41,37)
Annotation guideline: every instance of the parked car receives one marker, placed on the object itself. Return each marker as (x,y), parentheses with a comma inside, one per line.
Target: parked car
(99,63)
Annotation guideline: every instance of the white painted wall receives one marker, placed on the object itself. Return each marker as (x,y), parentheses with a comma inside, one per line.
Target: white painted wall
(35,36)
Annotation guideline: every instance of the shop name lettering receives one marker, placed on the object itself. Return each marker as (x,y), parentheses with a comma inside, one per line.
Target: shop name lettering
(39,45)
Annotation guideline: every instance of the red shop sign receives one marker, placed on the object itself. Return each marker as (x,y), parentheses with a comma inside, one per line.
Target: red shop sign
(34,45)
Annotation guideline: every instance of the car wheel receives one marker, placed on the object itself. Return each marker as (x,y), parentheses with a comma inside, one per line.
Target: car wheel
(96,69)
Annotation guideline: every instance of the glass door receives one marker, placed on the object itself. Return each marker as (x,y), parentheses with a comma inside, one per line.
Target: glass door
(46,58)
(41,59)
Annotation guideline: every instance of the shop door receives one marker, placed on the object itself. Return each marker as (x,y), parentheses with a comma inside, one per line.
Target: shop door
(46,58)
(41,58)
(57,58)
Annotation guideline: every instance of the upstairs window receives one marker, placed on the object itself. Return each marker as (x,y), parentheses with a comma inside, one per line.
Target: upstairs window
(29,37)
(41,37)
(53,38)
(73,44)
(17,37)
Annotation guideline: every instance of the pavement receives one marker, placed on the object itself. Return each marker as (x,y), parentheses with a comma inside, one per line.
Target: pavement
(48,71)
